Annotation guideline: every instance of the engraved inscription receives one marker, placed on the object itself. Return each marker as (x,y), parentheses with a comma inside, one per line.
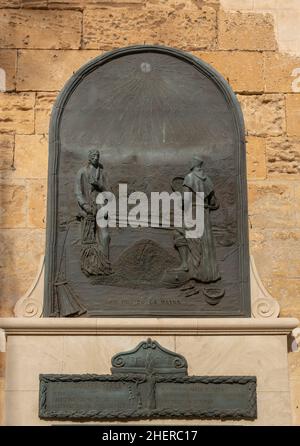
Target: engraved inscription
(147,382)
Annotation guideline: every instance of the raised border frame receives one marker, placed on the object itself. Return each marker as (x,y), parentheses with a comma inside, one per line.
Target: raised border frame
(50,309)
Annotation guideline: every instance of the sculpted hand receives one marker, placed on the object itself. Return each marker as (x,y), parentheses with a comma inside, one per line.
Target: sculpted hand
(87,208)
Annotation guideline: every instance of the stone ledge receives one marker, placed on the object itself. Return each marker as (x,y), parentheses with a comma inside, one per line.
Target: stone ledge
(147,326)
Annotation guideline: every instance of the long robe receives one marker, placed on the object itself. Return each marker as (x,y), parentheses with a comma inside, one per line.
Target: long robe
(202,261)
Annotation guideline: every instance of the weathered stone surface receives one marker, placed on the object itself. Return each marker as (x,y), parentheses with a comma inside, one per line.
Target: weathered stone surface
(34,4)
(264,114)
(286,290)
(246,31)
(179,4)
(20,255)
(49,70)
(281,72)
(271,205)
(297,203)
(271,4)
(10,3)
(13,205)
(27,28)
(293,114)
(8,63)
(283,156)
(256,157)
(115,27)
(242,70)
(276,255)
(294,366)
(2,382)
(6,151)
(43,106)
(295,396)
(31,155)
(36,199)
(17,113)
(23,3)
(81,4)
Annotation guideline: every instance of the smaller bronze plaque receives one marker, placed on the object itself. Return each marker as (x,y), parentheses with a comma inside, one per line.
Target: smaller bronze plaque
(148,382)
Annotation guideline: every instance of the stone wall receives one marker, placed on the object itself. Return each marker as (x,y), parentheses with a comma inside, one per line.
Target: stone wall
(254,44)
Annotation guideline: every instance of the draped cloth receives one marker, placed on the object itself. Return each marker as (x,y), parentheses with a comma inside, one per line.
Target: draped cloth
(202,261)
(90,181)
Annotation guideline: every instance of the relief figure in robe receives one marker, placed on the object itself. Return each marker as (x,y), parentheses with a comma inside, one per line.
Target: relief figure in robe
(95,241)
(198,255)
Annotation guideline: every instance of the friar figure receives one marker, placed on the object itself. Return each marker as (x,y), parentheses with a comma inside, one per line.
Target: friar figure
(90,181)
(198,255)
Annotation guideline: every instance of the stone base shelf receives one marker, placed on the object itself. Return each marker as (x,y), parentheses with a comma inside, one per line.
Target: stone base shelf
(147,326)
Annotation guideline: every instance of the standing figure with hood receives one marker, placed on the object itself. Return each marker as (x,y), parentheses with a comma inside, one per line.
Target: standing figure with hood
(198,255)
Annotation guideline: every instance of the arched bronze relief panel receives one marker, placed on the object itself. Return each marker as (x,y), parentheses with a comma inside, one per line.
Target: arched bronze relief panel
(152,119)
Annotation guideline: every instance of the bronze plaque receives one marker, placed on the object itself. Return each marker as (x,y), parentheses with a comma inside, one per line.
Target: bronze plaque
(147,382)
(150,120)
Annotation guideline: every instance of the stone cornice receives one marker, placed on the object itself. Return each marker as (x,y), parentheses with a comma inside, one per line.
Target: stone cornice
(147,326)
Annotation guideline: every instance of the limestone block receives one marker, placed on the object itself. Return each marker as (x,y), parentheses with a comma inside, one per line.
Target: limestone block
(283,157)
(90,354)
(297,201)
(49,70)
(242,70)
(34,4)
(31,28)
(6,151)
(10,3)
(246,31)
(286,290)
(8,63)
(36,199)
(23,3)
(46,356)
(281,72)
(294,365)
(237,4)
(31,156)
(116,27)
(81,4)
(2,395)
(20,253)
(288,24)
(293,114)
(256,157)
(13,205)
(206,357)
(295,397)
(264,114)
(17,113)
(276,254)
(271,205)
(181,4)
(22,408)
(43,107)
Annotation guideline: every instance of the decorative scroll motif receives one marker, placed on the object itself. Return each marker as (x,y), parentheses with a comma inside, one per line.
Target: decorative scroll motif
(31,304)
(263,305)
(147,382)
